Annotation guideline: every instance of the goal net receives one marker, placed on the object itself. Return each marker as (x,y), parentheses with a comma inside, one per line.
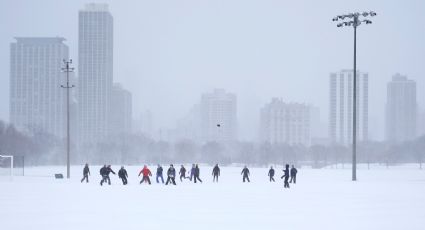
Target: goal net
(12,165)
(6,165)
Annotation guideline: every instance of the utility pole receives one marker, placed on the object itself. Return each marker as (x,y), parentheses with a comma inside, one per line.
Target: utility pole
(354,21)
(67,70)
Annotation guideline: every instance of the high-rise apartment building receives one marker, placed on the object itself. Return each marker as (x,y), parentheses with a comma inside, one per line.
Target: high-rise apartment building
(218,116)
(285,123)
(341,107)
(401,109)
(95,72)
(120,116)
(37,101)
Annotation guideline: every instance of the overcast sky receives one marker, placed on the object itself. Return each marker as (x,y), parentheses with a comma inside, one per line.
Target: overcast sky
(169,52)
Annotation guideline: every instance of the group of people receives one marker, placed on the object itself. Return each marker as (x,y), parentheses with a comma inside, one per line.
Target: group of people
(289,176)
(288,173)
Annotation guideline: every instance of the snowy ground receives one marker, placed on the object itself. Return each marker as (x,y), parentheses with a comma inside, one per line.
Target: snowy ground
(322,199)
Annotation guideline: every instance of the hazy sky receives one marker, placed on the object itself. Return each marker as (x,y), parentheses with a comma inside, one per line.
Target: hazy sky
(168,52)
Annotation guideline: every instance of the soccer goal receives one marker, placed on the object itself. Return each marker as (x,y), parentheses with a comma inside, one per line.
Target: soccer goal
(6,166)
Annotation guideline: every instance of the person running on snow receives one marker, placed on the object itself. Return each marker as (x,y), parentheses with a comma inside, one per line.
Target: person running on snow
(182,173)
(86,173)
(192,172)
(216,173)
(146,174)
(103,174)
(271,174)
(294,172)
(122,174)
(159,171)
(171,175)
(196,174)
(245,173)
(286,175)
(106,175)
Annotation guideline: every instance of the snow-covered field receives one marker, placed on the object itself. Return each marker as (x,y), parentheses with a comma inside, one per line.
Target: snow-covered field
(321,199)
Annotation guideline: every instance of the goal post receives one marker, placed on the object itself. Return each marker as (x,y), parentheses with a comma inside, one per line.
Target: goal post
(4,164)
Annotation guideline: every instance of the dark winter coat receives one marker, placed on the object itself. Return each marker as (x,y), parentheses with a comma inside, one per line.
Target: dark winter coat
(109,170)
(294,171)
(182,171)
(216,171)
(271,173)
(122,173)
(171,172)
(103,171)
(286,173)
(86,171)
(245,172)
(159,171)
(197,172)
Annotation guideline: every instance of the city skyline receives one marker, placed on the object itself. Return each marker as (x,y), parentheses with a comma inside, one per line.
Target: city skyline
(290,85)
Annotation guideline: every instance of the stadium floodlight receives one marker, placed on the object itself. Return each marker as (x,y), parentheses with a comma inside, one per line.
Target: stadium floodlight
(67,69)
(11,164)
(355,20)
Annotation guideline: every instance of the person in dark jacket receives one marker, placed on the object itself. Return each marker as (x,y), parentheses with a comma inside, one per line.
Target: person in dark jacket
(159,171)
(171,175)
(286,176)
(196,174)
(271,174)
(122,174)
(245,173)
(192,172)
(146,174)
(182,173)
(103,174)
(106,177)
(86,173)
(216,173)
(294,172)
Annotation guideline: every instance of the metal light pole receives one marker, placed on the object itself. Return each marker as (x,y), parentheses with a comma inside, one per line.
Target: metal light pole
(67,70)
(354,20)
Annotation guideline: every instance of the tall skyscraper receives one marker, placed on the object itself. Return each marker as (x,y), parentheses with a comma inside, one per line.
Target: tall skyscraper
(218,116)
(285,123)
(120,116)
(37,101)
(401,109)
(146,124)
(341,107)
(95,72)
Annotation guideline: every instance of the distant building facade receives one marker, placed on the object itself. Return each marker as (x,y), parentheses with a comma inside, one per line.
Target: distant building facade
(341,107)
(37,101)
(401,109)
(95,72)
(218,116)
(285,123)
(120,115)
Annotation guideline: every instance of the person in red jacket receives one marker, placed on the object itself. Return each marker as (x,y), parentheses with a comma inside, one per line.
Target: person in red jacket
(146,174)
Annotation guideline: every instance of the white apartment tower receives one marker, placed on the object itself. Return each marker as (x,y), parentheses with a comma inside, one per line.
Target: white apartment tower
(95,72)
(120,116)
(285,123)
(341,107)
(401,109)
(218,116)
(37,101)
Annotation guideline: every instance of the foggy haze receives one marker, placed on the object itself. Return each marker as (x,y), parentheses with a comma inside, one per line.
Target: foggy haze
(167,53)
